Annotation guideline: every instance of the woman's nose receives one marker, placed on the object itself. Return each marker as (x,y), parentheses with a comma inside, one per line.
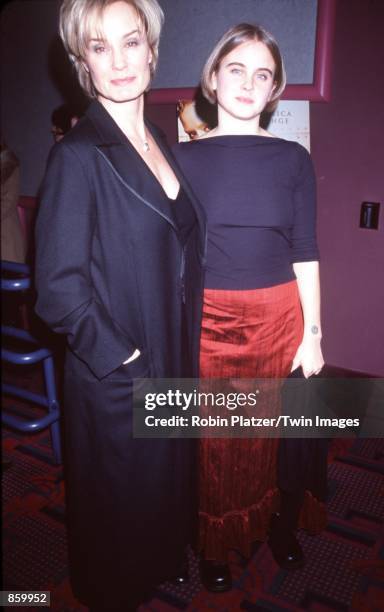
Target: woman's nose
(248,82)
(119,60)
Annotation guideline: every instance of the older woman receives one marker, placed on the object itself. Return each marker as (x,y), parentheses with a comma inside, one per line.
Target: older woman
(119,247)
(262,280)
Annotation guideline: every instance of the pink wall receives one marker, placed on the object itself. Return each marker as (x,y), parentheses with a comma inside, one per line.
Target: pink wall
(347,142)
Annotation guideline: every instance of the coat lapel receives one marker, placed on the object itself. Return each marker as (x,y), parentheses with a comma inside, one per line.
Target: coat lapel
(133,172)
(127,164)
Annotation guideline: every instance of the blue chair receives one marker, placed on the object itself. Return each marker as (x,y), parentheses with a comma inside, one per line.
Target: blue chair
(17,277)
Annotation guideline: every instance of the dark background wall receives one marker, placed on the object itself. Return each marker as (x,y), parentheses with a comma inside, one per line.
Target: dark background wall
(35,79)
(347,144)
(187,23)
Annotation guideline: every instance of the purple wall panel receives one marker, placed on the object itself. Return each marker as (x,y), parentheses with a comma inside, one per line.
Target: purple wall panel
(347,142)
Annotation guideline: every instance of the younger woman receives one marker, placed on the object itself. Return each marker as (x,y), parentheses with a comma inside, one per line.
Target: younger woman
(261,314)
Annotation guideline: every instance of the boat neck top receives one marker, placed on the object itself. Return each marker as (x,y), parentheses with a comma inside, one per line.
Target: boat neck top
(259,195)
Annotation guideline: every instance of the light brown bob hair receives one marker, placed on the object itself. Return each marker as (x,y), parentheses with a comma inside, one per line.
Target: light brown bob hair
(234,37)
(76,18)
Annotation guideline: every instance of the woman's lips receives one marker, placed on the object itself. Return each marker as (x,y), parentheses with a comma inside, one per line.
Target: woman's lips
(122,82)
(244,100)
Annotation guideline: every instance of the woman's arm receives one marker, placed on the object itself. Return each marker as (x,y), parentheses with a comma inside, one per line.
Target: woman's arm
(305,256)
(309,355)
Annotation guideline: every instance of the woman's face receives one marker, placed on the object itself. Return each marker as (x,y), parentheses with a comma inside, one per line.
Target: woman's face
(244,81)
(118,62)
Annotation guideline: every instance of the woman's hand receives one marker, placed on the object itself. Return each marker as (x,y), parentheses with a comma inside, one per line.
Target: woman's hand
(309,356)
(134,356)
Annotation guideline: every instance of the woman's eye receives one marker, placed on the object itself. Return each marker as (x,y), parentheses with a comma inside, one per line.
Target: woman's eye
(262,77)
(235,71)
(99,49)
(132,43)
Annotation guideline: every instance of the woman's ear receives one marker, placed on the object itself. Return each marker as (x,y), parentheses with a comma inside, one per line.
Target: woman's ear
(272,92)
(214,81)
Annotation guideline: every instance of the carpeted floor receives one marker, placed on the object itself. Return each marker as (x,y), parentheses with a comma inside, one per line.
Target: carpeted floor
(344,569)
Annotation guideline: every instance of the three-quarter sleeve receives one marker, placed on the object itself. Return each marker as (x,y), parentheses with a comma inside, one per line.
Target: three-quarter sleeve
(66,297)
(303,236)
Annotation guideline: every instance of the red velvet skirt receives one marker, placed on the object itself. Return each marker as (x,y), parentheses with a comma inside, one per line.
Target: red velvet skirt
(245,334)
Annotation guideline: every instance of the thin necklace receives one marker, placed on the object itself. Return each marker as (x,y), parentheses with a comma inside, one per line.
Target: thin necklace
(146,146)
(143,141)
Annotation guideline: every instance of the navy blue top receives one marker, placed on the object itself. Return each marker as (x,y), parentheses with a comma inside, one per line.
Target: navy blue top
(259,195)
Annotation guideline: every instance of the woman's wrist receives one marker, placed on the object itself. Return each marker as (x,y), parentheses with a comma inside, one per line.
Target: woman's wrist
(312,332)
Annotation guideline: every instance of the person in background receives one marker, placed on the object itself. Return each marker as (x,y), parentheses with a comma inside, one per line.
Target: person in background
(62,120)
(261,316)
(13,247)
(120,242)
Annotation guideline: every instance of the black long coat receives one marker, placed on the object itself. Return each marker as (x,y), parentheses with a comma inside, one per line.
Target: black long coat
(112,274)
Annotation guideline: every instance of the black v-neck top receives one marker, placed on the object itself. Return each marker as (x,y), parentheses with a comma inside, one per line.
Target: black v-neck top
(184,215)
(259,195)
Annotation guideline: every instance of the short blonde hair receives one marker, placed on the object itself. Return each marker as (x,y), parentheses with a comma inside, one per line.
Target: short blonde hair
(75,23)
(233,38)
